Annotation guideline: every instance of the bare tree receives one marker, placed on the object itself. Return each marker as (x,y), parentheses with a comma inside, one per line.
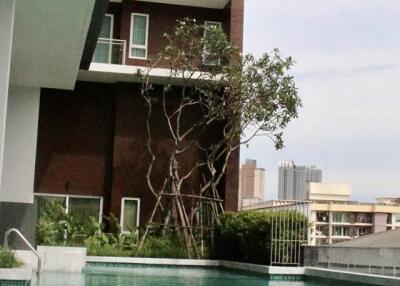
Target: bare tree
(213,101)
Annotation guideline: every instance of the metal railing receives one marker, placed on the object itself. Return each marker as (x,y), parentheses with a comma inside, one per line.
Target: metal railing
(11,230)
(289,232)
(110,51)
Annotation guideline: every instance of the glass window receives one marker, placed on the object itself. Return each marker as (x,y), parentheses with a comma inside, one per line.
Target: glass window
(139,36)
(323,217)
(103,51)
(397,216)
(83,208)
(130,214)
(208,58)
(322,230)
(50,206)
(340,217)
(340,231)
(362,230)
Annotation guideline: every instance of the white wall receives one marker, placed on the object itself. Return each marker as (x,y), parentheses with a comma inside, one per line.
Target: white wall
(20,145)
(7,10)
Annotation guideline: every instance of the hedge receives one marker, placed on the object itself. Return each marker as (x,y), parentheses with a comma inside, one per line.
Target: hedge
(246,236)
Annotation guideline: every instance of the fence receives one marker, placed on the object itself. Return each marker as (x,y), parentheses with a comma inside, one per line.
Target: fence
(289,232)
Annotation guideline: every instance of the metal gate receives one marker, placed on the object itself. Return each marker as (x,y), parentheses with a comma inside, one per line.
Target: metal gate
(289,231)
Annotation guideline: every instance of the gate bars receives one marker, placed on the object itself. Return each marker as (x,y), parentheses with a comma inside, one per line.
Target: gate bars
(289,231)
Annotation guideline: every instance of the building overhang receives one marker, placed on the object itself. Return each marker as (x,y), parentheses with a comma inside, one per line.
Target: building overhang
(49,41)
(214,4)
(111,73)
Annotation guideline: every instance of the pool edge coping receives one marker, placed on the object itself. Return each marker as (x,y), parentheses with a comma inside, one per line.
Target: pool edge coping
(256,268)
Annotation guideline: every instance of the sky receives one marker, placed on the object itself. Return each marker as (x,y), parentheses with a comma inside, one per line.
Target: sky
(347,72)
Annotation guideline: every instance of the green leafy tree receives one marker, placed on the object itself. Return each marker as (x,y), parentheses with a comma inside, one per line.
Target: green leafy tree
(211,87)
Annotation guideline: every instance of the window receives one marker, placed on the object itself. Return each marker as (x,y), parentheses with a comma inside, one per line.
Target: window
(388,218)
(130,209)
(81,207)
(208,58)
(364,218)
(340,231)
(103,52)
(139,36)
(323,217)
(322,230)
(340,217)
(362,230)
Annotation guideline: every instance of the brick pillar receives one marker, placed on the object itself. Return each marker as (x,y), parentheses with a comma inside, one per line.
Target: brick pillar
(233,14)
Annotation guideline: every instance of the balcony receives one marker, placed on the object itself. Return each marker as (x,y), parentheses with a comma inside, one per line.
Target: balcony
(110,51)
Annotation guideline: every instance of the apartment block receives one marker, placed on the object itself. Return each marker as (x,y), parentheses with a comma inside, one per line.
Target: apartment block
(251,183)
(71,113)
(293,180)
(333,222)
(338,221)
(328,192)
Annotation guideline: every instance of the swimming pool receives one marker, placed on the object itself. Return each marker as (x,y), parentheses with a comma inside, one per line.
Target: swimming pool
(169,276)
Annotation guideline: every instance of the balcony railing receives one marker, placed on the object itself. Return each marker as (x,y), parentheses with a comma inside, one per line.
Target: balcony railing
(110,51)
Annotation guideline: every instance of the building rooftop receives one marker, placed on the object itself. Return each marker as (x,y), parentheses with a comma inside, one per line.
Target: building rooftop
(385,239)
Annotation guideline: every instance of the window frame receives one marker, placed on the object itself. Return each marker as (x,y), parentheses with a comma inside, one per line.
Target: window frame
(205,48)
(111,36)
(67,197)
(121,222)
(133,46)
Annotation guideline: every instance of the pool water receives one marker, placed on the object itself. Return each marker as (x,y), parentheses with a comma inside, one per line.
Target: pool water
(167,276)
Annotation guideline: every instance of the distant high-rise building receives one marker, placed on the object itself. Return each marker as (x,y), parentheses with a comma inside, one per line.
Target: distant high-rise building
(251,183)
(294,180)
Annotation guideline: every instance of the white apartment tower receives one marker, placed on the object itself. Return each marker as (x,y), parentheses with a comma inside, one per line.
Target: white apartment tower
(294,180)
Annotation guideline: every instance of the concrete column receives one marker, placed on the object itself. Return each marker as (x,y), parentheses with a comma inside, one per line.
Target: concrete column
(330,227)
(312,229)
(16,191)
(20,145)
(7,9)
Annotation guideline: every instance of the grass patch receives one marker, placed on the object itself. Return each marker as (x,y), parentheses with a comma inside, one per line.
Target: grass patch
(8,259)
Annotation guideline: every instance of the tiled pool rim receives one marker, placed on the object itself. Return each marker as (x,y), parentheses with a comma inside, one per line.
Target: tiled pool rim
(272,272)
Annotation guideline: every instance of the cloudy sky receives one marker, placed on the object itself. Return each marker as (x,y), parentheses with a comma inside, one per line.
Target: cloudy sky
(347,72)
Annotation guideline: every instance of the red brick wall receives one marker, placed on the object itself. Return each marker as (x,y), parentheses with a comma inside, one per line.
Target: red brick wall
(91,140)
(162,19)
(234,13)
(131,158)
(75,140)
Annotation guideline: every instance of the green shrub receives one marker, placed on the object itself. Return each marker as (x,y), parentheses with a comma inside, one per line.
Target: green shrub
(57,228)
(246,236)
(165,246)
(8,259)
(51,226)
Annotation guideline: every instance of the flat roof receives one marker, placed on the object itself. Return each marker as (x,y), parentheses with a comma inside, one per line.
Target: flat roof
(384,239)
